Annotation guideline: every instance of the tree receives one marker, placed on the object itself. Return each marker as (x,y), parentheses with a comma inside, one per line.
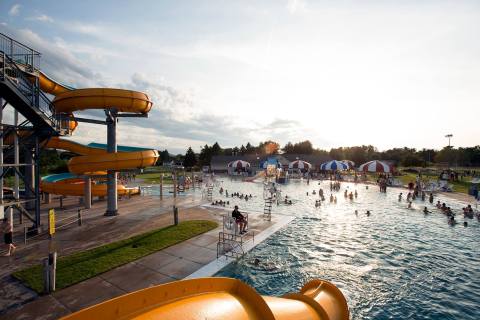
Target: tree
(205,155)
(268,147)
(288,148)
(164,157)
(243,150)
(249,148)
(216,149)
(447,154)
(190,159)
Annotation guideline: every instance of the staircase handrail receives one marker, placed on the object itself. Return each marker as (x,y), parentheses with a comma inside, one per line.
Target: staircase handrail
(13,48)
(43,103)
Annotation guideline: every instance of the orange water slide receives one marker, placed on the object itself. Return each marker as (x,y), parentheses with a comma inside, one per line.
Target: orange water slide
(93,160)
(221,298)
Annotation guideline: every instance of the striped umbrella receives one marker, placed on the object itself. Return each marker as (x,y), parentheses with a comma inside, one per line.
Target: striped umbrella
(299,164)
(238,164)
(349,163)
(375,166)
(334,165)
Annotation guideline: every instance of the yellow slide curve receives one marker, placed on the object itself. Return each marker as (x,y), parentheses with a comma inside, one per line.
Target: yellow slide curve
(220,298)
(92,161)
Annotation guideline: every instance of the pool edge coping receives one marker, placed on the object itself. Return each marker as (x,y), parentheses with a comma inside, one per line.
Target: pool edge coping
(221,262)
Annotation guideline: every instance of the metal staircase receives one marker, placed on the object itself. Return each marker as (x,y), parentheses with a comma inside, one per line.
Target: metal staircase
(19,88)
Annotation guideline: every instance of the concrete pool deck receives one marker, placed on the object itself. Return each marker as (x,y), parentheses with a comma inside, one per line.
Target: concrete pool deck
(195,257)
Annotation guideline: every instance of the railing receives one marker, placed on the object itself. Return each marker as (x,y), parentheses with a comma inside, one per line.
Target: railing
(20,52)
(59,225)
(30,90)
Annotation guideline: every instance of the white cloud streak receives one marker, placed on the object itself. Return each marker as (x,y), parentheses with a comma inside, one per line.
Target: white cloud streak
(14,10)
(42,18)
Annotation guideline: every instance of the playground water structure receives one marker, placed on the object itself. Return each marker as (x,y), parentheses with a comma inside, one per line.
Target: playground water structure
(396,263)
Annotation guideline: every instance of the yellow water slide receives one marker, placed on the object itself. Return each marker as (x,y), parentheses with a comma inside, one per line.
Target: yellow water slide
(221,298)
(93,161)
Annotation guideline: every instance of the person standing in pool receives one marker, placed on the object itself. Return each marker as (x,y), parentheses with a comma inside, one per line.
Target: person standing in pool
(430,198)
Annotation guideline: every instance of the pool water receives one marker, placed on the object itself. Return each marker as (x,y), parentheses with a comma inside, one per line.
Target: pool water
(395,263)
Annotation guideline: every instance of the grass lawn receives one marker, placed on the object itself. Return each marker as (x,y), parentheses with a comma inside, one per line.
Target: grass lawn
(155,178)
(87,264)
(458,186)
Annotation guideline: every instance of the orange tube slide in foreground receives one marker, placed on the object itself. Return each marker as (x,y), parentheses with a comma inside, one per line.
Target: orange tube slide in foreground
(220,298)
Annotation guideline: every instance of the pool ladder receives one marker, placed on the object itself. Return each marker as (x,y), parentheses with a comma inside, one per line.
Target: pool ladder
(267,209)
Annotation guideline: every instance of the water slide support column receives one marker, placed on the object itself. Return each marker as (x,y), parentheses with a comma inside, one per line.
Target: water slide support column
(37,182)
(112,201)
(1,152)
(87,192)
(161,185)
(28,177)
(16,156)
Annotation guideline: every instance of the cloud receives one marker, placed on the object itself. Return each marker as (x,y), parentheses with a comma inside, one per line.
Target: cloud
(14,10)
(294,6)
(41,18)
(59,61)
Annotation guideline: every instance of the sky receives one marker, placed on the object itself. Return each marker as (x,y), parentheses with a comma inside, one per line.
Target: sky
(339,73)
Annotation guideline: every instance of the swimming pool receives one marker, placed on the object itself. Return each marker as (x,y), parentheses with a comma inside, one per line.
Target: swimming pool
(396,263)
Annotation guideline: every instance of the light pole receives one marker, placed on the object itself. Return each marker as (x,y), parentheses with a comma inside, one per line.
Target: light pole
(449,136)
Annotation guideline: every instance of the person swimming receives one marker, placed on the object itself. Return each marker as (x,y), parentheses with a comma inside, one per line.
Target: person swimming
(425,210)
(265,266)
(356,212)
(400,197)
(439,205)
(409,205)
(368,213)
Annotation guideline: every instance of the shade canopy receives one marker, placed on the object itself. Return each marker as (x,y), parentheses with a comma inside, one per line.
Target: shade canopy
(349,163)
(334,165)
(238,164)
(299,164)
(375,166)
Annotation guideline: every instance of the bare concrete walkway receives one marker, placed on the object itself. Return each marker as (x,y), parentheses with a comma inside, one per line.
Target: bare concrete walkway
(173,263)
(137,215)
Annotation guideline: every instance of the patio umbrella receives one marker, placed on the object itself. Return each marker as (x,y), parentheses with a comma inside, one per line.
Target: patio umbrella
(299,164)
(375,166)
(349,163)
(334,165)
(238,164)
